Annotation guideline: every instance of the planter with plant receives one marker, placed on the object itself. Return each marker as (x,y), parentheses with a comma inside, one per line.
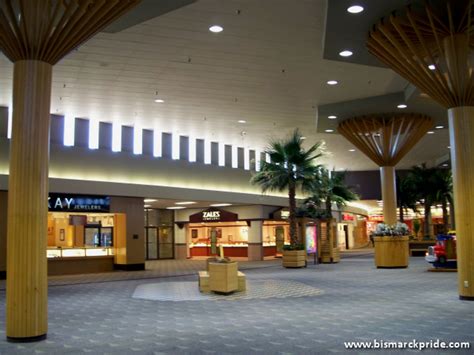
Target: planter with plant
(290,168)
(391,246)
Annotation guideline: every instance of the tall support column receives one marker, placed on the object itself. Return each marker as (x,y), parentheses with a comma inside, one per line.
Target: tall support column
(27,312)
(389,195)
(461,134)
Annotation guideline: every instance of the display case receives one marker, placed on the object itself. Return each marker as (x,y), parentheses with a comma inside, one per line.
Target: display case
(52,253)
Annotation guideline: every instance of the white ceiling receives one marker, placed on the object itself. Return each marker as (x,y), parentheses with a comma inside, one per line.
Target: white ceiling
(266,67)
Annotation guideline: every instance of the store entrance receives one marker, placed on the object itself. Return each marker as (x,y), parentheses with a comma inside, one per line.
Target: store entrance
(159,243)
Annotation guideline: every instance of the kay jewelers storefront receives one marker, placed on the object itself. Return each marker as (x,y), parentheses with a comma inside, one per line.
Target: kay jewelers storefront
(243,231)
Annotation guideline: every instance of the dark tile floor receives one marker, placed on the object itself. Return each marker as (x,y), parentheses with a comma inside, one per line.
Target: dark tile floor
(357,303)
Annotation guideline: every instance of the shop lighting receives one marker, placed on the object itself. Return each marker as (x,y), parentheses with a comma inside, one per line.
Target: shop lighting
(185,203)
(220,204)
(332,117)
(402,106)
(175,208)
(430,132)
(439,127)
(329,130)
(332,82)
(160,101)
(149,200)
(431,67)
(242,121)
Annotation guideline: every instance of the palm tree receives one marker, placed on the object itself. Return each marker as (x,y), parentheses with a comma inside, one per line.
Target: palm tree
(331,187)
(290,167)
(423,181)
(407,195)
(443,182)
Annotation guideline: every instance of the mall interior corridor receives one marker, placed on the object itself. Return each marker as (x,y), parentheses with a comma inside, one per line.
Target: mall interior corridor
(303,311)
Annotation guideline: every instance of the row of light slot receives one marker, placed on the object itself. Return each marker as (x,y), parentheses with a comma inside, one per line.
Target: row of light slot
(69,127)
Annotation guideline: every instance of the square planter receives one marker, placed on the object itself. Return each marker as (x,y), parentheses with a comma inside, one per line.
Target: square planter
(223,277)
(294,258)
(391,252)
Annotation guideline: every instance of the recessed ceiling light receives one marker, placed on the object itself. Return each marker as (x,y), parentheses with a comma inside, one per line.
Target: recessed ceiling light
(329,130)
(185,203)
(220,204)
(449,147)
(332,117)
(439,127)
(430,132)
(175,208)
(332,82)
(242,121)
(147,206)
(445,164)
(216,28)
(355,9)
(160,101)
(345,53)
(431,67)
(352,150)
(402,106)
(149,200)
(303,137)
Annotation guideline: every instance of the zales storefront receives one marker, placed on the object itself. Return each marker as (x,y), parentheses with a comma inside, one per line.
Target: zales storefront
(243,231)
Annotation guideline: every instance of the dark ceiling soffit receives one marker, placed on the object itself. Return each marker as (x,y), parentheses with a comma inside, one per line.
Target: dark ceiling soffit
(145,11)
(348,31)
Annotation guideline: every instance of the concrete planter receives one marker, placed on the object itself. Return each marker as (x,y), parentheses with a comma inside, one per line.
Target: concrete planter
(391,252)
(294,258)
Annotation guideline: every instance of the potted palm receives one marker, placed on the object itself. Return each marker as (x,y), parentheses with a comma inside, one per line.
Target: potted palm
(290,168)
(391,246)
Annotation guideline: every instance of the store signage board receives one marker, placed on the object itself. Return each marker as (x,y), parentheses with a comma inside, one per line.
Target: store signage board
(213,215)
(311,239)
(78,203)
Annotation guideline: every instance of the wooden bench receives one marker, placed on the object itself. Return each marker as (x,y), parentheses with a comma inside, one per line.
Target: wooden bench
(204,281)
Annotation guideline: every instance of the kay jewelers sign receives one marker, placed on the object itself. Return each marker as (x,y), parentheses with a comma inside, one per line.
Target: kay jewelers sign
(78,203)
(213,215)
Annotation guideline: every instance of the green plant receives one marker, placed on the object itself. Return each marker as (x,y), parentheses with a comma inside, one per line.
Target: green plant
(396,230)
(291,167)
(297,246)
(330,187)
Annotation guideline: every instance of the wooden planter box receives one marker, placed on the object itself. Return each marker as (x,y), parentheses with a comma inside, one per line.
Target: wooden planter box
(223,277)
(294,258)
(391,252)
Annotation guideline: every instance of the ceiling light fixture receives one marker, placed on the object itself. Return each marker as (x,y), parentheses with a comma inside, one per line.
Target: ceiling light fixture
(332,82)
(216,28)
(329,130)
(430,132)
(402,106)
(345,53)
(332,117)
(449,147)
(185,203)
(175,208)
(160,101)
(149,200)
(242,121)
(439,127)
(147,206)
(303,138)
(431,67)
(352,150)
(355,9)
(220,204)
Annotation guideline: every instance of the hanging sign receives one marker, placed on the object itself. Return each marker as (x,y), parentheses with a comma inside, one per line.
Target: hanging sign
(78,203)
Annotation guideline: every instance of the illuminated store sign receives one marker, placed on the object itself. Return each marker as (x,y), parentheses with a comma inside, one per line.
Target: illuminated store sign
(78,203)
(213,215)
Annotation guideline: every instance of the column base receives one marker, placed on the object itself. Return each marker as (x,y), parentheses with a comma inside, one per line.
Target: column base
(255,251)
(26,339)
(466,298)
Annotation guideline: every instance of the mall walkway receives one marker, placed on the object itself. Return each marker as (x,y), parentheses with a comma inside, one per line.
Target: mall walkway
(305,311)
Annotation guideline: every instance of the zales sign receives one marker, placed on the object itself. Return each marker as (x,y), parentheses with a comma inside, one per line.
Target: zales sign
(213,215)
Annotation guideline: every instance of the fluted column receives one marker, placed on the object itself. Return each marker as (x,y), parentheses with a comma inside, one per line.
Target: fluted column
(27,315)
